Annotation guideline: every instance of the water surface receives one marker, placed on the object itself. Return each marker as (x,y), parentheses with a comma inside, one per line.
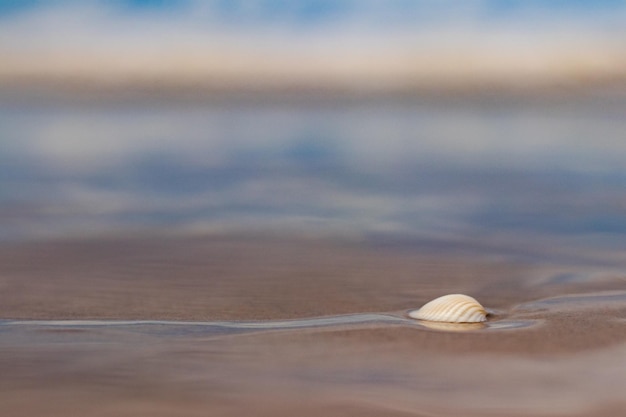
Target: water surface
(182,257)
(533,178)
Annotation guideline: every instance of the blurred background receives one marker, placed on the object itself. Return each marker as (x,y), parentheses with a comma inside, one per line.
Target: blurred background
(490,126)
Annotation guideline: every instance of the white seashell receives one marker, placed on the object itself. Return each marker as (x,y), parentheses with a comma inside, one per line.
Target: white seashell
(452,308)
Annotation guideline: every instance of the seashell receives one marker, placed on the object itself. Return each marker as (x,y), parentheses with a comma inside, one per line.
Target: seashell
(452,308)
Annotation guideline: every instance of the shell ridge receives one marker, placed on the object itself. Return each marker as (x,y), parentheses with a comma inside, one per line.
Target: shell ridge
(452,308)
(455,310)
(463,310)
(458,312)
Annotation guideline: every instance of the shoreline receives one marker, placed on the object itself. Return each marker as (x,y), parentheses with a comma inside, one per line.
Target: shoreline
(566,362)
(262,279)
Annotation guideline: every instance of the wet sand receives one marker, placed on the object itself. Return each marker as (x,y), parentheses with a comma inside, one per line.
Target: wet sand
(569,357)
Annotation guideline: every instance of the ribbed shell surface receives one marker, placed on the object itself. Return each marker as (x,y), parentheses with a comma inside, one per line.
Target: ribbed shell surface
(452,308)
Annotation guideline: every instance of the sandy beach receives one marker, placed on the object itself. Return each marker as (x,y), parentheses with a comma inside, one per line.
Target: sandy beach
(553,346)
(231,208)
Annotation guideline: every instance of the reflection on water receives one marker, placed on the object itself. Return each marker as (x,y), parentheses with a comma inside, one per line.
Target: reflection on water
(452,327)
(512,177)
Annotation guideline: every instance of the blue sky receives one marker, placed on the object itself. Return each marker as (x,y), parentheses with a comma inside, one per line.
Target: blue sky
(319,11)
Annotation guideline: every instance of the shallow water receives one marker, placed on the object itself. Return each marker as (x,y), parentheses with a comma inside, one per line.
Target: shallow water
(309,366)
(187,258)
(530,178)
(227,328)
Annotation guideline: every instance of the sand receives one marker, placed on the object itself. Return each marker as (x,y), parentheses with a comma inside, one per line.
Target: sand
(567,358)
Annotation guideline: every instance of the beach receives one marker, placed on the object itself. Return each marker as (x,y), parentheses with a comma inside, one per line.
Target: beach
(153,326)
(227,208)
